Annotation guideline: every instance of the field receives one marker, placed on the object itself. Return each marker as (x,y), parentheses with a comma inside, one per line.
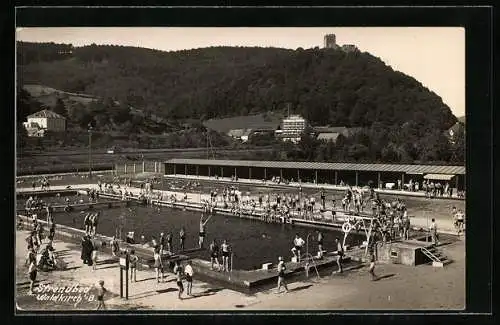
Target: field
(49,95)
(78,160)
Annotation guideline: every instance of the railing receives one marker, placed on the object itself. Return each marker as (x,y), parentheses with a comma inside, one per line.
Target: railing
(140,167)
(429,254)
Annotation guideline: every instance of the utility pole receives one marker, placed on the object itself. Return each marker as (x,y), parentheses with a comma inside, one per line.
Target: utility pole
(90,150)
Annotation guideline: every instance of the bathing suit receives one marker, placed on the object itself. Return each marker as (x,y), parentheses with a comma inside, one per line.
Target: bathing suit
(133,261)
(202,234)
(225,250)
(100,296)
(214,251)
(32,274)
(281,273)
(299,242)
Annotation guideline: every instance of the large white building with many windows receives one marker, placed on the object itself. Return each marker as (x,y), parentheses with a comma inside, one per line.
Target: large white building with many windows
(292,128)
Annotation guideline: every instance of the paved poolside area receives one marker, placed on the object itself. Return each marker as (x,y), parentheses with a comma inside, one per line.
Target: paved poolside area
(399,287)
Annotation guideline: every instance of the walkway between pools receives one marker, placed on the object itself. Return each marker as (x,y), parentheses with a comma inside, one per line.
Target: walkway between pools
(445,224)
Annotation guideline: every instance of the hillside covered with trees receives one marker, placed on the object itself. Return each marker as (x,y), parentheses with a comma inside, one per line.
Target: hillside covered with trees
(401,117)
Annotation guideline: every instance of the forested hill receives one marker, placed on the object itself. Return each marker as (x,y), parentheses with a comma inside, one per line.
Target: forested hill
(326,86)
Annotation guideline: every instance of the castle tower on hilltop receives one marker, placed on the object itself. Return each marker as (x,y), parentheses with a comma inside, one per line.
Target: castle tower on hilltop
(330,41)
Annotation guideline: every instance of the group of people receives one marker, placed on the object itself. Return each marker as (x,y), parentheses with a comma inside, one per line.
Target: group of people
(298,250)
(90,247)
(223,251)
(44,184)
(90,222)
(353,198)
(40,257)
(181,273)
(35,205)
(391,219)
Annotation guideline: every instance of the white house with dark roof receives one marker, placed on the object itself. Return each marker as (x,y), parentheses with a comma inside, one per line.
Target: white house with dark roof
(46,120)
(328,133)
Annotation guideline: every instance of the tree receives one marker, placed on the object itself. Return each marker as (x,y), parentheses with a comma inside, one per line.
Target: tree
(357,152)
(22,136)
(401,117)
(60,108)
(458,147)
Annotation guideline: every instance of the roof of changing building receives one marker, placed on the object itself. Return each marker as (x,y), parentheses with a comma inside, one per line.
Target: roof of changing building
(46,114)
(410,169)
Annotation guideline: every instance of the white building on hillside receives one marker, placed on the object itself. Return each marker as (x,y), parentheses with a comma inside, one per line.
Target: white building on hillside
(292,128)
(46,120)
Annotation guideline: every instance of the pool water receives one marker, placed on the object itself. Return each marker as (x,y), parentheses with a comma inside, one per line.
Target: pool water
(253,242)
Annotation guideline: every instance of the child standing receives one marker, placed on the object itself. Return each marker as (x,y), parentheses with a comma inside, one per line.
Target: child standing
(372,267)
(158,265)
(133,266)
(32,271)
(100,295)
(281,275)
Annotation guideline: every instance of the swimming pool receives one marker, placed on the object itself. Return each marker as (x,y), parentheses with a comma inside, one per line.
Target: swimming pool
(253,242)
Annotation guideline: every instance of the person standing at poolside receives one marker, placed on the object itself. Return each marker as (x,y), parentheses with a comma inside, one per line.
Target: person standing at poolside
(178,274)
(182,238)
(371,270)
(86,222)
(32,271)
(188,271)
(49,210)
(323,199)
(281,275)
(95,221)
(225,256)
(298,243)
(169,242)
(133,260)
(320,243)
(114,246)
(158,264)
(52,232)
(86,250)
(163,243)
(95,248)
(434,232)
(340,255)
(214,255)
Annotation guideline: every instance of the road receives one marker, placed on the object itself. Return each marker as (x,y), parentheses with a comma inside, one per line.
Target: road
(85,152)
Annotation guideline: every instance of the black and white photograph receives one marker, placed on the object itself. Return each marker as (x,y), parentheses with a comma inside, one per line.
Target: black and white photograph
(240,168)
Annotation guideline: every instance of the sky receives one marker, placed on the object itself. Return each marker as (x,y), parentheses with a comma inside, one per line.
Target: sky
(435,56)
